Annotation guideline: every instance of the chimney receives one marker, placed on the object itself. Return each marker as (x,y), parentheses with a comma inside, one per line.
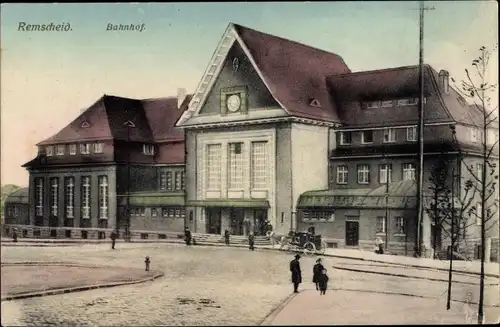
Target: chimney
(181,96)
(444,81)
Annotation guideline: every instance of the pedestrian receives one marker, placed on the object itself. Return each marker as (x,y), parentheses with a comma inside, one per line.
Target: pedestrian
(379,245)
(14,235)
(251,241)
(113,237)
(317,269)
(323,282)
(296,273)
(226,237)
(187,236)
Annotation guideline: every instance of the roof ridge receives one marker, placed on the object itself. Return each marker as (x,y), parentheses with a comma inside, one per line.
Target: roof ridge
(164,98)
(377,70)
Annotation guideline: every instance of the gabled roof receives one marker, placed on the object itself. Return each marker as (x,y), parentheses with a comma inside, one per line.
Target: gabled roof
(350,90)
(153,119)
(294,73)
(19,196)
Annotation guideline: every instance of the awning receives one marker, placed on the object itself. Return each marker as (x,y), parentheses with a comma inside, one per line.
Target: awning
(356,201)
(231,203)
(153,199)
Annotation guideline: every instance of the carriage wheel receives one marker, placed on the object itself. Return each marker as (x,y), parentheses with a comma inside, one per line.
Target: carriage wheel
(323,248)
(309,248)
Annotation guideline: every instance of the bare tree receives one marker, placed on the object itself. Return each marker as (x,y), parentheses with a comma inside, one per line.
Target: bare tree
(484,176)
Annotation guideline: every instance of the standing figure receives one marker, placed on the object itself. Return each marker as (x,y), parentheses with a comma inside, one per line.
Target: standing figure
(296,273)
(251,241)
(226,237)
(113,237)
(380,245)
(14,235)
(317,269)
(187,236)
(323,282)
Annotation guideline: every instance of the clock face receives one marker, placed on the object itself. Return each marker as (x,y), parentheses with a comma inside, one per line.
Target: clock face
(233,103)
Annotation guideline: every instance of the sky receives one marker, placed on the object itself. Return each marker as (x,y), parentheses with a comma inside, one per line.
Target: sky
(47,78)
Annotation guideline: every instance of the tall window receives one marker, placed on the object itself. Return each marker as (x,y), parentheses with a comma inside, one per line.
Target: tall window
(411,133)
(259,165)
(179,180)
(408,172)
(54,196)
(170,181)
(103,197)
(39,196)
(479,168)
(236,165)
(85,202)
(389,135)
(380,225)
(479,213)
(148,149)
(72,149)
(385,173)
(85,148)
(49,150)
(363,174)
(342,174)
(69,196)
(366,136)
(213,166)
(345,138)
(400,225)
(60,150)
(98,147)
(163,180)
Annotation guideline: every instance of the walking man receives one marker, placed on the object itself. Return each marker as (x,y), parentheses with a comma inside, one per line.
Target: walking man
(251,241)
(187,236)
(296,273)
(113,237)
(226,237)
(317,269)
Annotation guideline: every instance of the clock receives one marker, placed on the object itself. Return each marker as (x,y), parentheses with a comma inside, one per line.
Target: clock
(233,102)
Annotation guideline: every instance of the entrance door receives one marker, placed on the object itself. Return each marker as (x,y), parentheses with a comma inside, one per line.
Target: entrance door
(259,219)
(213,220)
(436,237)
(236,216)
(352,233)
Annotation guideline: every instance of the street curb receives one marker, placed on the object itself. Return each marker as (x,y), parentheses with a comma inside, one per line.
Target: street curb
(272,315)
(80,243)
(78,288)
(407,276)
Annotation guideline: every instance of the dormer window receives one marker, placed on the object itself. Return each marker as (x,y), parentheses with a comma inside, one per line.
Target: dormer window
(85,124)
(373,104)
(85,148)
(366,137)
(72,149)
(407,102)
(98,147)
(314,103)
(387,104)
(345,138)
(148,149)
(49,150)
(60,150)
(389,135)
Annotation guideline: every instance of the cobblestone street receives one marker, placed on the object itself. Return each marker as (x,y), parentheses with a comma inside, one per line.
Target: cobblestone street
(216,286)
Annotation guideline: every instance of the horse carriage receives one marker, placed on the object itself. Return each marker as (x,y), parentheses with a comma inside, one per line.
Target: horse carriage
(299,241)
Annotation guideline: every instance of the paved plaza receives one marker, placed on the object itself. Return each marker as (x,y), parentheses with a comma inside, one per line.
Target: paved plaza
(206,285)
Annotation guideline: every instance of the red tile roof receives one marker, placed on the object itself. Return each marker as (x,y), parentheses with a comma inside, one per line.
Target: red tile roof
(295,73)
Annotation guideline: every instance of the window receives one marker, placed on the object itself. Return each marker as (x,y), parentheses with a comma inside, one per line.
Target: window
(164,212)
(345,138)
(479,169)
(400,226)
(373,104)
(213,166)
(342,174)
(98,147)
(85,148)
(389,135)
(49,150)
(235,165)
(179,177)
(85,201)
(474,137)
(259,165)
(60,150)
(183,180)
(318,215)
(479,214)
(69,200)
(407,102)
(366,136)
(387,104)
(72,149)
(170,181)
(103,197)
(409,172)
(148,149)
(363,174)
(154,212)
(411,133)
(163,180)
(39,196)
(385,173)
(54,196)
(380,225)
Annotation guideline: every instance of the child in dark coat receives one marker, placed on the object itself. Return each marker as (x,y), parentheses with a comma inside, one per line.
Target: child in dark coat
(323,282)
